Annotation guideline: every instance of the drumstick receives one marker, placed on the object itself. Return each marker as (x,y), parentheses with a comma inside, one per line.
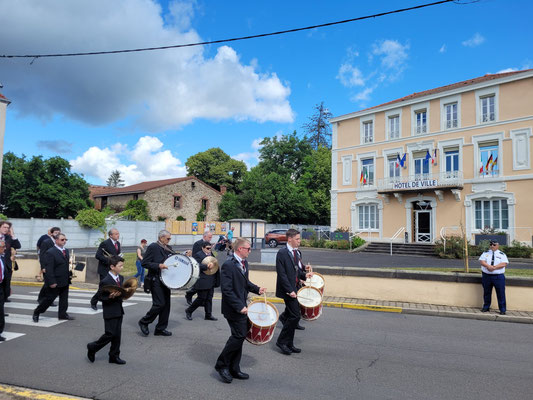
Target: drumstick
(305,298)
(258,312)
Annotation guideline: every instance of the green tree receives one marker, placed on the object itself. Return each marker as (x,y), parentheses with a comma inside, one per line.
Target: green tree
(229,207)
(318,129)
(42,188)
(316,179)
(136,210)
(216,168)
(115,180)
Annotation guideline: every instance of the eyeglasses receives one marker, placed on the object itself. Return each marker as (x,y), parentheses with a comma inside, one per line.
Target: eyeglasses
(208,248)
(63,240)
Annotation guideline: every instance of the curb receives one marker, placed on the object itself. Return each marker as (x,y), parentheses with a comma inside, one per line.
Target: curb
(27,393)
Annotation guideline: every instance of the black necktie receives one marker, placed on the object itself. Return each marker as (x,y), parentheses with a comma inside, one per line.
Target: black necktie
(492,262)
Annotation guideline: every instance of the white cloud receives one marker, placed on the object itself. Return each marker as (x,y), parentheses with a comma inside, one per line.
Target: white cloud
(155,91)
(442,49)
(147,161)
(350,76)
(363,95)
(393,57)
(250,158)
(474,41)
(507,70)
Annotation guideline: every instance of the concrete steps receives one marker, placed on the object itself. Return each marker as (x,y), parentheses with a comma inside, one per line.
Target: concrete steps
(417,249)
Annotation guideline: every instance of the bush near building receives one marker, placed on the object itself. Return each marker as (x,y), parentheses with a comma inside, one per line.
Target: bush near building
(455,248)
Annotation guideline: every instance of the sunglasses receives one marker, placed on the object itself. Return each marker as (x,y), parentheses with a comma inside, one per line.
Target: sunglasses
(247,248)
(208,248)
(63,240)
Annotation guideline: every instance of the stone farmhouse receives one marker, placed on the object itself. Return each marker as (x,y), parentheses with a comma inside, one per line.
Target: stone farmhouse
(168,198)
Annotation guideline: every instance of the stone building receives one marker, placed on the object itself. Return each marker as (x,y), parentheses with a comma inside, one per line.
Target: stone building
(168,198)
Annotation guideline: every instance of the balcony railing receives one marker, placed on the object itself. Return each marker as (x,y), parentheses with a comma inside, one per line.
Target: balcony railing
(421,182)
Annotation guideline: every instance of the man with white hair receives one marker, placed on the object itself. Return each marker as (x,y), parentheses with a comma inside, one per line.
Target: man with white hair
(153,261)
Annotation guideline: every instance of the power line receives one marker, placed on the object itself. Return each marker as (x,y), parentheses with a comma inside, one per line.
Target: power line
(93,53)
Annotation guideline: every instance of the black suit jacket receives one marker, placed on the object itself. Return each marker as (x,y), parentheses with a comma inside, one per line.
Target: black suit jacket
(287,272)
(155,255)
(112,308)
(197,246)
(10,244)
(205,281)
(235,287)
(103,260)
(57,267)
(45,245)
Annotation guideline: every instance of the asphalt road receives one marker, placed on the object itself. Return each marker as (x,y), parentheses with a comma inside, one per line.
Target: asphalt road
(346,354)
(341,258)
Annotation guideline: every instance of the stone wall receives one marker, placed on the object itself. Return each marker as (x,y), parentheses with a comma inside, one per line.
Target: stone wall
(121,200)
(161,200)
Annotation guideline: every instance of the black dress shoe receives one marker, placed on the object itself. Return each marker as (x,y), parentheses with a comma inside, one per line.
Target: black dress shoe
(94,307)
(502,312)
(116,360)
(225,375)
(484,310)
(210,318)
(2,339)
(67,318)
(300,327)
(35,317)
(7,301)
(188,315)
(294,349)
(90,354)
(6,315)
(144,329)
(164,332)
(284,348)
(239,375)
(188,299)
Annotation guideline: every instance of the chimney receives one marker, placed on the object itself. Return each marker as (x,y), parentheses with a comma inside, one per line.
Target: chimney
(223,189)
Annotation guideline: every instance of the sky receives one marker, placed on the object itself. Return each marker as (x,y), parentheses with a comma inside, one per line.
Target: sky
(146,113)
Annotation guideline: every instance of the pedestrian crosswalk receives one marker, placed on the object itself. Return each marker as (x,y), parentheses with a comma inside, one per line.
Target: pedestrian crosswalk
(78,301)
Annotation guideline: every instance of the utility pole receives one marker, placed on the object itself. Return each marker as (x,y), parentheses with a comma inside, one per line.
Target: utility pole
(3,106)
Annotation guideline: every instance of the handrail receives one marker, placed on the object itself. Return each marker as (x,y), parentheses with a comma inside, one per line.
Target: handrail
(398,232)
(442,234)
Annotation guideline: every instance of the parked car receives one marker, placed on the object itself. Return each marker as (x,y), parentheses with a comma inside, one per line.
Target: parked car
(275,237)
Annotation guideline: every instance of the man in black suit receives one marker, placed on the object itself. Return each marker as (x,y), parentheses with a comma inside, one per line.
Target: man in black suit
(2,274)
(57,279)
(8,236)
(235,287)
(204,286)
(43,246)
(289,275)
(156,254)
(112,312)
(109,247)
(196,247)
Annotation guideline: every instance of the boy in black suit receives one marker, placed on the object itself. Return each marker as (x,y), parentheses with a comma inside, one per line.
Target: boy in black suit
(112,312)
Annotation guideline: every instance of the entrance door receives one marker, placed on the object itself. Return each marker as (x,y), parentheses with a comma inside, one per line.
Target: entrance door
(423,226)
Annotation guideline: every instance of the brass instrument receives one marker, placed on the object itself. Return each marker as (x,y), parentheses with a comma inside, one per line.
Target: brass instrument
(126,291)
(210,260)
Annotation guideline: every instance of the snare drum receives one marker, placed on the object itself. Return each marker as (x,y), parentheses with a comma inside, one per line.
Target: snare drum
(316,281)
(310,300)
(262,319)
(182,272)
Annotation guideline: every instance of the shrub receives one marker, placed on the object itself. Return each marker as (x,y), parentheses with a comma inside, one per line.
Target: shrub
(200,215)
(91,218)
(3,217)
(357,241)
(161,218)
(305,243)
(136,210)
(454,247)
(180,218)
(342,229)
(517,250)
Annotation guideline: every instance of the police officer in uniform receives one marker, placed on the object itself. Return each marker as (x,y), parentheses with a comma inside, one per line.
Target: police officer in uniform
(493,263)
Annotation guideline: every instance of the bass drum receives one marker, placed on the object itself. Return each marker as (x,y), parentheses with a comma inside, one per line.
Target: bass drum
(182,272)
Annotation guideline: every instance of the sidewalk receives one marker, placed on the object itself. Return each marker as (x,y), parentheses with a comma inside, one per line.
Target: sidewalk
(524,317)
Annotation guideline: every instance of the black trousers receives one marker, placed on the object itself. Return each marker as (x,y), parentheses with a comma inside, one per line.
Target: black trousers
(2,317)
(292,313)
(49,297)
(191,292)
(205,298)
(160,305)
(230,357)
(94,299)
(7,283)
(113,333)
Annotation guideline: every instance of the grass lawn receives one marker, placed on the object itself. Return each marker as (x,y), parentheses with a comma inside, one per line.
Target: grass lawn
(129,265)
(475,270)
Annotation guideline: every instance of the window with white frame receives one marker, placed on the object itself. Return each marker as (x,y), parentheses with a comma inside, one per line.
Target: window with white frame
(450,116)
(420,122)
(394,126)
(394,168)
(491,214)
(489,163)
(368,216)
(487,106)
(451,161)
(368,131)
(367,172)
(421,166)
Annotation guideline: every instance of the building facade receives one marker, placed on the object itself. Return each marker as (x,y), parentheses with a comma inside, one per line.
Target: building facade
(167,199)
(454,158)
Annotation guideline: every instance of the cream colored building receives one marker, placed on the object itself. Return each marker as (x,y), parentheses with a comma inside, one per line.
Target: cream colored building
(467,150)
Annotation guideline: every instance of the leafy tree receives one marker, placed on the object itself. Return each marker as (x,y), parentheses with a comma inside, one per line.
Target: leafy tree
(92,219)
(136,210)
(41,188)
(316,179)
(115,180)
(318,129)
(229,207)
(216,168)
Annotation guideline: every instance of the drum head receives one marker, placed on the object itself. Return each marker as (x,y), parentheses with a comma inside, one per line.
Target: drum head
(309,296)
(262,314)
(316,281)
(178,273)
